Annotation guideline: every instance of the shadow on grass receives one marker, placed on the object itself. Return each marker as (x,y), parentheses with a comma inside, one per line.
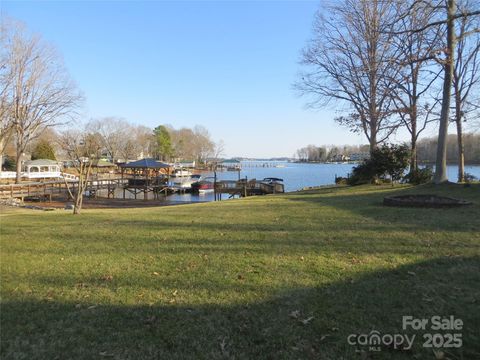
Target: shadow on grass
(271,329)
(368,203)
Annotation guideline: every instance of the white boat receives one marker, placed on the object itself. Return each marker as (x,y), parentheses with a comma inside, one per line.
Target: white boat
(205,191)
(181,173)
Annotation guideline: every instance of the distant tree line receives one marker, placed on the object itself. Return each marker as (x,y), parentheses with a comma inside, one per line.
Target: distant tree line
(313,153)
(426,149)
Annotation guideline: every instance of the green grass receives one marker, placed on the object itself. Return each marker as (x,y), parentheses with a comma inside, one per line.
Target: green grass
(235,279)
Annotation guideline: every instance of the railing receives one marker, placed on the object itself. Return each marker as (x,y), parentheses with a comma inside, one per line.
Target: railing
(8,175)
(37,175)
(31,189)
(68,176)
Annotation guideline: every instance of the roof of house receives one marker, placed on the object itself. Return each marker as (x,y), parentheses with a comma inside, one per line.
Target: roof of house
(145,164)
(41,162)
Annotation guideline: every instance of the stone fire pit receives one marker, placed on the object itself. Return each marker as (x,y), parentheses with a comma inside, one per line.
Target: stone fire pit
(426,201)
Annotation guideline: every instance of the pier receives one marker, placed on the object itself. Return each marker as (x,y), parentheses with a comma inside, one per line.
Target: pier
(244,187)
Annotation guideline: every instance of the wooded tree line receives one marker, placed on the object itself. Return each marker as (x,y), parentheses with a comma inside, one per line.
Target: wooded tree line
(388,64)
(313,153)
(426,150)
(471,142)
(37,96)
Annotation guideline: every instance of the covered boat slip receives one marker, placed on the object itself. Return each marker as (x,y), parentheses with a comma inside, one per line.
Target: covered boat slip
(145,176)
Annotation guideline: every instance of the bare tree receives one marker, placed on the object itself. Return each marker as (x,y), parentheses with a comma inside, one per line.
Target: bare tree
(218,150)
(414,84)
(143,141)
(204,146)
(466,78)
(349,60)
(114,133)
(6,78)
(82,147)
(40,94)
(447,15)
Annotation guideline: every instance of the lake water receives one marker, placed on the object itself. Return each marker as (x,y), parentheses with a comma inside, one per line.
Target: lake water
(296,175)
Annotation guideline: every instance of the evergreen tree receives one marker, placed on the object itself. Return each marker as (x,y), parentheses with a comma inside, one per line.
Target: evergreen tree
(163,143)
(43,150)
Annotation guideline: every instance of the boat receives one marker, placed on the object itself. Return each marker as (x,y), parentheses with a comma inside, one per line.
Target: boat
(184,183)
(272,185)
(181,173)
(203,186)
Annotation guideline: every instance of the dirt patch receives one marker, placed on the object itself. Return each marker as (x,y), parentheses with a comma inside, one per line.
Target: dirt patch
(426,201)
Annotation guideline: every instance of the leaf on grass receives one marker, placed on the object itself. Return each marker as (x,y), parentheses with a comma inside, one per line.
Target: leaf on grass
(150,319)
(155,273)
(411,273)
(92,307)
(307,320)
(323,337)
(105,354)
(175,293)
(223,345)
(294,314)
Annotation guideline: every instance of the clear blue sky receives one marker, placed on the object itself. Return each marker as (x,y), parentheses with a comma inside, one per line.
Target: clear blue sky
(226,65)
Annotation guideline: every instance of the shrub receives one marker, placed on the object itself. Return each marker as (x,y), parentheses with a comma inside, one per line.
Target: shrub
(363,173)
(341,180)
(419,176)
(9,164)
(470,178)
(388,160)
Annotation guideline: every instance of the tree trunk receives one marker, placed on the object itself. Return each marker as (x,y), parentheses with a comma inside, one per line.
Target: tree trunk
(441,160)
(413,156)
(461,149)
(18,165)
(458,121)
(2,143)
(373,141)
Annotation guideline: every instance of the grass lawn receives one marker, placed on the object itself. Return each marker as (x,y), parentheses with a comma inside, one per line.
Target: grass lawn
(275,277)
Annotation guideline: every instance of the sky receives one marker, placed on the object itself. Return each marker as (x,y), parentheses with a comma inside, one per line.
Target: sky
(229,66)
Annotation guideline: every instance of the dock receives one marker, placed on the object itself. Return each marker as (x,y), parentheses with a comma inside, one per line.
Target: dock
(244,187)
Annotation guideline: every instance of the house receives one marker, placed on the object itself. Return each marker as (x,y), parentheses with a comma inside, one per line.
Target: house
(340,158)
(360,156)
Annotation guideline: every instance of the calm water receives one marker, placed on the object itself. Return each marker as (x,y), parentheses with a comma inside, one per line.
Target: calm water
(296,176)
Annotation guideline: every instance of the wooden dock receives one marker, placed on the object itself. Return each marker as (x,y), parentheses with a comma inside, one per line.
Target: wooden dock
(244,188)
(45,190)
